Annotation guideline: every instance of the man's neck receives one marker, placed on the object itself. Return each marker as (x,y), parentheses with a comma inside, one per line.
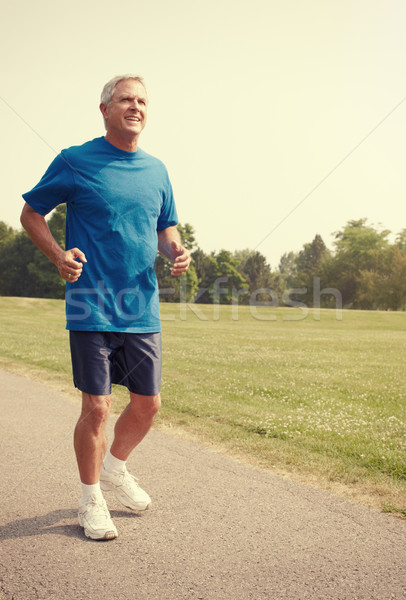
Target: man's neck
(130,145)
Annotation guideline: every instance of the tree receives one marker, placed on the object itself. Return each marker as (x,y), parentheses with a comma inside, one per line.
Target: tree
(287,270)
(57,224)
(385,286)
(256,271)
(175,289)
(187,234)
(310,258)
(359,247)
(369,272)
(24,270)
(219,279)
(16,252)
(401,240)
(229,283)
(206,269)
(6,233)
(309,264)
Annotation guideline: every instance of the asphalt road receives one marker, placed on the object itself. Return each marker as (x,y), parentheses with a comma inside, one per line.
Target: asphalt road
(216,529)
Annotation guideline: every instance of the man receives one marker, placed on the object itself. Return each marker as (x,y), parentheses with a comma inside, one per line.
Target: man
(120,211)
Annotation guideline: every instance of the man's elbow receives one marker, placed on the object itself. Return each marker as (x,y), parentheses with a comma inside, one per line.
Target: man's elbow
(26,215)
(23,217)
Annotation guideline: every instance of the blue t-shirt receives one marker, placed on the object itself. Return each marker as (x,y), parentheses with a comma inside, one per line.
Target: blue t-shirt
(116,201)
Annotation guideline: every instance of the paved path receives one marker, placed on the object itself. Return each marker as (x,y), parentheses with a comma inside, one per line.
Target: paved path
(216,530)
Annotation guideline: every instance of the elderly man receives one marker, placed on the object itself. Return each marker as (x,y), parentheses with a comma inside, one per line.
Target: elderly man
(120,211)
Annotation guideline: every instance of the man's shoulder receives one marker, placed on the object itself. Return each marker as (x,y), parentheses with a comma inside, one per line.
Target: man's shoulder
(82,149)
(152,160)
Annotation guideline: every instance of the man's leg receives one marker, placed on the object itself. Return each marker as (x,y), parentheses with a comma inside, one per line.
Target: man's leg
(131,427)
(90,447)
(90,438)
(134,423)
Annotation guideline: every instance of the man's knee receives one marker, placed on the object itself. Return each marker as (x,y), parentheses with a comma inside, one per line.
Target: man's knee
(145,407)
(95,409)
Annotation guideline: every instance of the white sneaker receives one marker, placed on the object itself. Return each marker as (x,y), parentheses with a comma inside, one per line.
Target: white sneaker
(94,516)
(125,488)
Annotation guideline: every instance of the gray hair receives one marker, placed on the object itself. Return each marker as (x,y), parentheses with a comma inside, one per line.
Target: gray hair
(108,90)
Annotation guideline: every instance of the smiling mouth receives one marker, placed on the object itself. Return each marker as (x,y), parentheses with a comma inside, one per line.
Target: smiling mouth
(135,119)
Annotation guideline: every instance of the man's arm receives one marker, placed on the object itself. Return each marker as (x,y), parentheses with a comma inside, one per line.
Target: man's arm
(170,245)
(38,230)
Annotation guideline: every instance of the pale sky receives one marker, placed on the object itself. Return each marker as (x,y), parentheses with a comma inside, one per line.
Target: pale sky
(252,105)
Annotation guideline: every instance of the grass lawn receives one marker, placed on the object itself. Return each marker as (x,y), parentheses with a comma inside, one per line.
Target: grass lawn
(309,396)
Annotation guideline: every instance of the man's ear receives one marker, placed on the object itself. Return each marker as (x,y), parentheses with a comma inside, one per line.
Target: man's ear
(103,109)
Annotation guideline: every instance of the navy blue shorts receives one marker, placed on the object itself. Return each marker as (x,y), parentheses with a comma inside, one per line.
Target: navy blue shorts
(100,358)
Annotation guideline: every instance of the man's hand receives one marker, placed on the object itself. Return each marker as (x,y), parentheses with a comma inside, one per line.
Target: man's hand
(180,258)
(170,245)
(69,268)
(38,230)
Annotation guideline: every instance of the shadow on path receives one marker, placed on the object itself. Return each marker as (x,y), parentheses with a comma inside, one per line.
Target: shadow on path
(48,525)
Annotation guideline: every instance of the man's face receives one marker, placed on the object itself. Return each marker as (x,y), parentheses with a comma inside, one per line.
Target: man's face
(126,115)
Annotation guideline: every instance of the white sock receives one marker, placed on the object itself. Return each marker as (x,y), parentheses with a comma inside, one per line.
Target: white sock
(111,463)
(90,490)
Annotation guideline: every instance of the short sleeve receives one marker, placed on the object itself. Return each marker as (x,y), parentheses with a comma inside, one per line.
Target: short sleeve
(55,187)
(168,216)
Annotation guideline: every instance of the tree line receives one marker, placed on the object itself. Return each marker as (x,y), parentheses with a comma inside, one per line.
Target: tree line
(363,271)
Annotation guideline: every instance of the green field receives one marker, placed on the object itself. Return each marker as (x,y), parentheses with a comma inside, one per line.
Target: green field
(308,396)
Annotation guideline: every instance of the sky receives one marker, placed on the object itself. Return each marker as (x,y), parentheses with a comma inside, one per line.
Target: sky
(277,120)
